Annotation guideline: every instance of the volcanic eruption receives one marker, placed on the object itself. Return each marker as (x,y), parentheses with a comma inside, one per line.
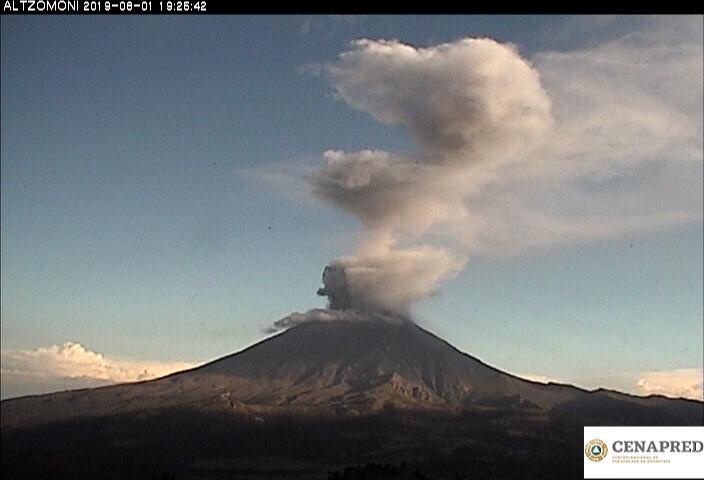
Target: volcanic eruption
(359,382)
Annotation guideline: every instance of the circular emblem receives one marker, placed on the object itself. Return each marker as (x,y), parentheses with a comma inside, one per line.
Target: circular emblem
(596,450)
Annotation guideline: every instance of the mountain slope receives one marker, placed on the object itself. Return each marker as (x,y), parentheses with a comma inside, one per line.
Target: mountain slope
(321,397)
(353,367)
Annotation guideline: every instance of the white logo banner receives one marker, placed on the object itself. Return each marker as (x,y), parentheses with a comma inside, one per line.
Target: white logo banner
(643,452)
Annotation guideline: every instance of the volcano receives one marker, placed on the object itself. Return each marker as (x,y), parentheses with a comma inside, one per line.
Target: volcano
(320,396)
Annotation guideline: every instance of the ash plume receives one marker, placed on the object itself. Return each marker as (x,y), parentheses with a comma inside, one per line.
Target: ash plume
(336,288)
(333,315)
(470,106)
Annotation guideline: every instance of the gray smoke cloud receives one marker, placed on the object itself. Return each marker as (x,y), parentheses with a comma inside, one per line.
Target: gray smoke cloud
(325,315)
(471,107)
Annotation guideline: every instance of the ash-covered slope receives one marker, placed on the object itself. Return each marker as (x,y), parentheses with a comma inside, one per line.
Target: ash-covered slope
(336,367)
(371,363)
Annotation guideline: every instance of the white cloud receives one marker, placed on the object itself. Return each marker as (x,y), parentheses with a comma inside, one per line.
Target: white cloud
(685,383)
(538,378)
(676,383)
(71,365)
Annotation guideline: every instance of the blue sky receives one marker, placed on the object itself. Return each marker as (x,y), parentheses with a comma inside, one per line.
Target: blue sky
(147,212)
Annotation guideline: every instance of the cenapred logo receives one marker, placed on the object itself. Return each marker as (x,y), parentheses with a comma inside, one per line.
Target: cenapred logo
(643,452)
(596,450)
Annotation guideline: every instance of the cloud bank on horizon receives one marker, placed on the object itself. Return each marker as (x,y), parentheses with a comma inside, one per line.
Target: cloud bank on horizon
(683,382)
(71,366)
(676,383)
(511,154)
